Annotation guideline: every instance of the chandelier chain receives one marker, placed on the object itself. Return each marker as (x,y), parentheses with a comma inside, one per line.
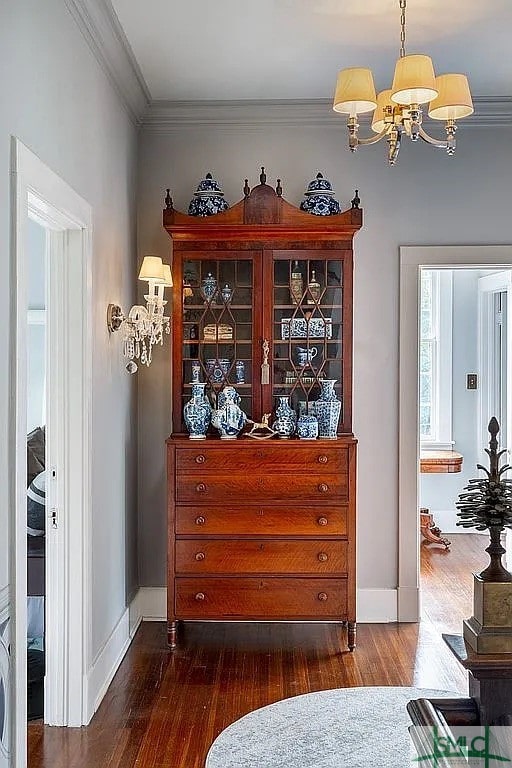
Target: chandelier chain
(402,28)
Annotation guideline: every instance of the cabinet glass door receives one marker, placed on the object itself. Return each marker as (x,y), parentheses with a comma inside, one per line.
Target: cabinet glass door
(307,327)
(217,325)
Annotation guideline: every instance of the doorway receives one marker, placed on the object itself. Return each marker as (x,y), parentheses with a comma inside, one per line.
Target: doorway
(412,259)
(40,196)
(463,381)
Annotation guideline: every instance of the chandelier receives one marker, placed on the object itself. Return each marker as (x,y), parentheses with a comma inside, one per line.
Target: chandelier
(144,326)
(398,110)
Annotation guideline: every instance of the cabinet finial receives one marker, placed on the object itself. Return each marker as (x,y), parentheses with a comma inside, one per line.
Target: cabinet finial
(356,200)
(168,200)
(247,189)
(279,189)
(263,175)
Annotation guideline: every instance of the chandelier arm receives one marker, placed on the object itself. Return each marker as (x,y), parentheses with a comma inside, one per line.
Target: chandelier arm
(373,139)
(441,143)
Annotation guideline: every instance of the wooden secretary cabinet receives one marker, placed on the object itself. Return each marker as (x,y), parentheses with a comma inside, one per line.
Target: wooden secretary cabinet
(262,530)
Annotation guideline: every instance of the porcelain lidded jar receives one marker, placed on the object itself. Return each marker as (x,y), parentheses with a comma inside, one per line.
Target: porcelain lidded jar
(327,410)
(286,418)
(197,412)
(208,198)
(228,417)
(319,198)
(307,427)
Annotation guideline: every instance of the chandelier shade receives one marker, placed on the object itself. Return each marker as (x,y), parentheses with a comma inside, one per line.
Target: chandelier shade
(152,269)
(383,101)
(355,91)
(414,81)
(453,100)
(167,276)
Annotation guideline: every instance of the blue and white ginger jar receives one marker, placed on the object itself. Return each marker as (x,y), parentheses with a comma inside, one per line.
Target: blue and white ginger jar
(286,418)
(228,417)
(197,412)
(327,410)
(208,198)
(307,427)
(319,198)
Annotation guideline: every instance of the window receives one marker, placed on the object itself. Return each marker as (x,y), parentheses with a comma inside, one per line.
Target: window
(435,359)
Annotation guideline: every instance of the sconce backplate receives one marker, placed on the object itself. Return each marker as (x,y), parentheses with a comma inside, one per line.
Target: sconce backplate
(114,317)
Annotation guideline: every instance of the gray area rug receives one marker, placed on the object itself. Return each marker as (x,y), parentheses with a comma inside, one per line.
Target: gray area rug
(340,728)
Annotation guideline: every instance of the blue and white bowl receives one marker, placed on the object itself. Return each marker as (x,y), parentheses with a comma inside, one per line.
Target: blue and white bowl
(208,198)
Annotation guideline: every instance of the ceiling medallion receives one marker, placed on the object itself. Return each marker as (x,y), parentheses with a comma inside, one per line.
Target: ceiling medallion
(398,110)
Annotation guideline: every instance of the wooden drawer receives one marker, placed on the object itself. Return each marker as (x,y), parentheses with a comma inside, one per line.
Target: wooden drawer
(261,520)
(268,458)
(255,598)
(261,556)
(256,488)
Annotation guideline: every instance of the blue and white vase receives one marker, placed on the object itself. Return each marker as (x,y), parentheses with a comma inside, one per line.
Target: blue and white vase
(286,418)
(226,294)
(327,410)
(307,427)
(209,287)
(319,198)
(197,413)
(240,372)
(208,198)
(228,417)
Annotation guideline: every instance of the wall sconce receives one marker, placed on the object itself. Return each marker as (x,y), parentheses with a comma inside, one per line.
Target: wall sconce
(144,326)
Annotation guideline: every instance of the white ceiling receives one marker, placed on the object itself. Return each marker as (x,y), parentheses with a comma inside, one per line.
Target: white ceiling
(292,49)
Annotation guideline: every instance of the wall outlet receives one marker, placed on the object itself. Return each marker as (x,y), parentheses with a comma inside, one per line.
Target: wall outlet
(472,381)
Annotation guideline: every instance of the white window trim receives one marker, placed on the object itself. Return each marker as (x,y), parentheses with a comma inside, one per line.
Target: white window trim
(443,372)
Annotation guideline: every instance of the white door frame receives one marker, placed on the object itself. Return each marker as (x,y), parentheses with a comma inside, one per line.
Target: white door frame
(39,193)
(412,258)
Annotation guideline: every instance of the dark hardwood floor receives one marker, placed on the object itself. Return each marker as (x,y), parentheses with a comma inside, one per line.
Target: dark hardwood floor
(164,709)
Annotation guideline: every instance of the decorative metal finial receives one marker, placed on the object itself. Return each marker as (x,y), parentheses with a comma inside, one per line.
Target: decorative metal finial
(263,175)
(279,189)
(168,201)
(319,175)
(487,504)
(247,189)
(356,200)
(208,175)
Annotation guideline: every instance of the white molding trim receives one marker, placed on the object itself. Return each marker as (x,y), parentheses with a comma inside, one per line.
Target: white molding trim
(36,317)
(35,186)
(5,600)
(373,605)
(107,661)
(164,116)
(411,259)
(104,35)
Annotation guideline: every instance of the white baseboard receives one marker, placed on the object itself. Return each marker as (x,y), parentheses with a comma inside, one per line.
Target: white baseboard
(110,657)
(408,603)
(376,606)
(373,605)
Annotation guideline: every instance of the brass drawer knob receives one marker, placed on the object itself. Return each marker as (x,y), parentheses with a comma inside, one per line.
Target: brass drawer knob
(322,459)
(200,596)
(200,555)
(323,487)
(320,521)
(200,459)
(323,557)
(201,487)
(200,520)
(322,596)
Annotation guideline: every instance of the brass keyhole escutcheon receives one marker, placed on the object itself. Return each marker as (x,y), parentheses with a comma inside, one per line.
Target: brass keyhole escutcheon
(323,557)
(200,520)
(322,596)
(200,596)
(322,521)
(200,556)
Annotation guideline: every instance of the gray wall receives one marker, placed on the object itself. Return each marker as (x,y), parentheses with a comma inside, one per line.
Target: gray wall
(36,333)
(427,199)
(58,101)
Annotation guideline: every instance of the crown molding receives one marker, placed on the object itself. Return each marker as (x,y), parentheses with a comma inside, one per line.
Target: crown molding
(166,116)
(104,35)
